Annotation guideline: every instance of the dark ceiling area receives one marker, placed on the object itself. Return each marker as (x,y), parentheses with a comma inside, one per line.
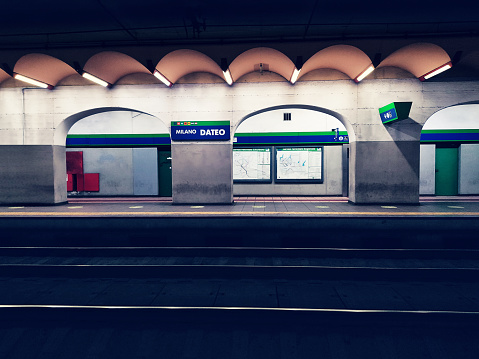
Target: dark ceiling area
(60,23)
(148,29)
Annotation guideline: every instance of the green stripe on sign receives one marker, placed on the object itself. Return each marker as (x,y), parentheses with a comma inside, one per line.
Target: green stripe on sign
(451,131)
(260,134)
(119,135)
(200,123)
(387,108)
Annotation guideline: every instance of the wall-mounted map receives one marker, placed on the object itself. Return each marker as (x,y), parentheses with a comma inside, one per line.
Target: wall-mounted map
(299,164)
(252,164)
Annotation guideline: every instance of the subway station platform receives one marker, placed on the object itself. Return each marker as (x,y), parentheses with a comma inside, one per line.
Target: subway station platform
(430,206)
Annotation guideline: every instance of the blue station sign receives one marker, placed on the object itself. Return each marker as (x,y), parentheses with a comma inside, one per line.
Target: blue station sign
(395,111)
(200,131)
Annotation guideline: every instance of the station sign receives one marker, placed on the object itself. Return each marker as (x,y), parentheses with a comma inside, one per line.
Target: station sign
(395,111)
(200,130)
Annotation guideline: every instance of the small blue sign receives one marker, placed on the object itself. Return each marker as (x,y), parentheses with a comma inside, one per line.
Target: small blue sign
(389,115)
(200,131)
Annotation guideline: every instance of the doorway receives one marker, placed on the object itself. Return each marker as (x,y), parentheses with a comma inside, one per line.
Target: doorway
(164,174)
(446,171)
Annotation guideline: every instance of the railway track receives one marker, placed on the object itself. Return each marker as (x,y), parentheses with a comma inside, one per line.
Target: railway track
(215,301)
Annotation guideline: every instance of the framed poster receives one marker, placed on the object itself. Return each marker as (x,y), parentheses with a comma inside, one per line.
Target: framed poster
(252,165)
(299,164)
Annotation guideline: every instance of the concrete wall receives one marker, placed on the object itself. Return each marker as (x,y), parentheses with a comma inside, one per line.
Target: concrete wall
(145,171)
(332,185)
(32,175)
(384,172)
(123,171)
(469,169)
(427,173)
(202,172)
(43,117)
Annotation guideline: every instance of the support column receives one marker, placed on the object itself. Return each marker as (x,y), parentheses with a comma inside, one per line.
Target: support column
(384,172)
(32,174)
(202,173)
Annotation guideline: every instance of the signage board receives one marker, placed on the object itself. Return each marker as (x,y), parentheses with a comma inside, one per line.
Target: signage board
(200,130)
(252,164)
(395,111)
(299,164)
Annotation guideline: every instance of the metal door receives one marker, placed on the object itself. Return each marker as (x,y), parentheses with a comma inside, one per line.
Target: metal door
(446,171)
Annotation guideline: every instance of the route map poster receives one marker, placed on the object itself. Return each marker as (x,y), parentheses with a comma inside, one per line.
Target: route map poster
(303,164)
(252,164)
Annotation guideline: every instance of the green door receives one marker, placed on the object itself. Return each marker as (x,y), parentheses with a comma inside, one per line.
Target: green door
(446,171)
(164,173)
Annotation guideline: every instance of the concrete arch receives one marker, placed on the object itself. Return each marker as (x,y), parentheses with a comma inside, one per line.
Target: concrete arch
(349,128)
(419,59)
(3,76)
(271,60)
(345,58)
(44,68)
(110,66)
(179,63)
(451,106)
(62,129)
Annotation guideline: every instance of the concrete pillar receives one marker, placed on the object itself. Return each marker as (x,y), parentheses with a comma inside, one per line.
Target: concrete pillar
(33,174)
(384,172)
(202,173)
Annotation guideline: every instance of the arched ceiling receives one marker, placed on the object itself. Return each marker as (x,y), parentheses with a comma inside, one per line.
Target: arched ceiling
(147,30)
(44,68)
(182,62)
(345,58)
(110,66)
(418,59)
(3,76)
(261,59)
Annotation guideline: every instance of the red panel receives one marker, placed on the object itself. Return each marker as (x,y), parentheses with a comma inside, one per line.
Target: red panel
(80,183)
(74,162)
(92,182)
(69,182)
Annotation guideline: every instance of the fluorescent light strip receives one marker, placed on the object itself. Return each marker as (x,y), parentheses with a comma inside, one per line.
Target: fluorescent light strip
(437,71)
(32,81)
(295,75)
(95,79)
(228,78)
(162,78)
(364,73)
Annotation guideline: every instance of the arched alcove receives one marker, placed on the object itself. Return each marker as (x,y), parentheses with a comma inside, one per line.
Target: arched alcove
(117,152)
(291,150)
(450,151)
(322,110)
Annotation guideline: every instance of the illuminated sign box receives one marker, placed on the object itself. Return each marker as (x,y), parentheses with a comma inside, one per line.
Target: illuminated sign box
(200,131)
(395,111)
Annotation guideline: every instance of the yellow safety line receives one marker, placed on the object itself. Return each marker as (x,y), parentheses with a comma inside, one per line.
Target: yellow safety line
(204,213)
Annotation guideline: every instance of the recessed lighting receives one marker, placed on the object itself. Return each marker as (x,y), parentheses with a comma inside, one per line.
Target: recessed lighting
(31,81)
(365,73)
(162,78)
(437,71)
(95,79)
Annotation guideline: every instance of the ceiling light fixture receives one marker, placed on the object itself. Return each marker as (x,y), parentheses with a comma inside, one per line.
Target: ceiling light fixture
(96,79)
(436,71)
(365,73)
(162,78)
(295,75)
(32,81)
(228,78)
